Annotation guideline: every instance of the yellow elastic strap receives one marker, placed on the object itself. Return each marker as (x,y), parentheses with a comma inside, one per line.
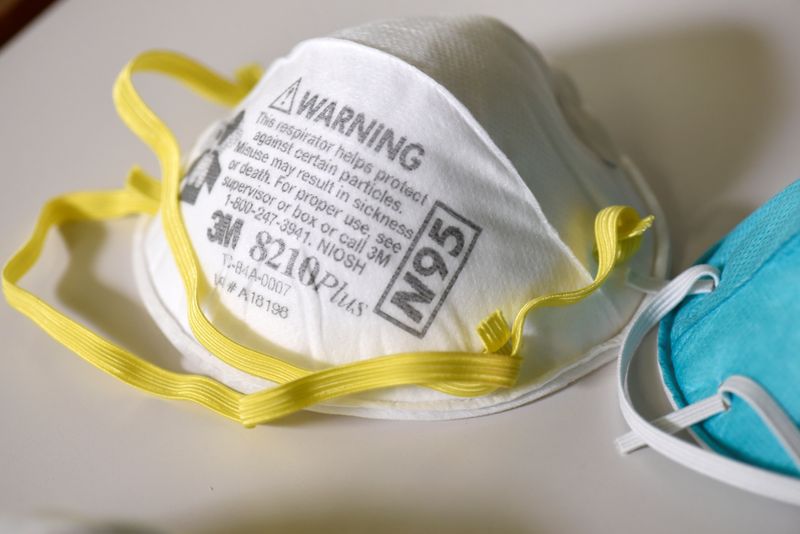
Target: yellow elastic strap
(139,196)
(147,187)
(95,206)
(403,369)
(618,233)
(458,373)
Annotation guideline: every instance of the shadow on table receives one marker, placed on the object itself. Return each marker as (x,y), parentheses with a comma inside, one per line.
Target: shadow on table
(693,108)
(103,307)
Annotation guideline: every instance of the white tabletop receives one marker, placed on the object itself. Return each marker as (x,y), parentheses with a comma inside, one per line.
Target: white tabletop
(705,98)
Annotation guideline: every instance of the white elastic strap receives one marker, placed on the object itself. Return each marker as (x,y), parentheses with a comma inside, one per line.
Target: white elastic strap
(650,284)
(770,412)
(689,415)
(675,421)
(733,472)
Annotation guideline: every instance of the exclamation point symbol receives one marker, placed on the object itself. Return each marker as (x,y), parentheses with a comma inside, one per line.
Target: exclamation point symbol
(285,100)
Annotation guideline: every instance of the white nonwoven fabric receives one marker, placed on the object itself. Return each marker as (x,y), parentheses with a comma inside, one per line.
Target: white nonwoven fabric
(386,189)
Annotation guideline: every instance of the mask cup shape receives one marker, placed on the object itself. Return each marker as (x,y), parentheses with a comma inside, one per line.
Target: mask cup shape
(498,146)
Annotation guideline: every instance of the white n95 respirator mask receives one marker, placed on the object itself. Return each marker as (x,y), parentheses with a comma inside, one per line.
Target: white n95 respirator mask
(353,234)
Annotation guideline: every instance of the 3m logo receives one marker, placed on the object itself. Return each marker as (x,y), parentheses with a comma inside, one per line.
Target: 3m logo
(428,271)
(226,230)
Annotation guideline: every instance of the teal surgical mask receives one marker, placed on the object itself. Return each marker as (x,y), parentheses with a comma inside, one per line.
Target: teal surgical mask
(729,357)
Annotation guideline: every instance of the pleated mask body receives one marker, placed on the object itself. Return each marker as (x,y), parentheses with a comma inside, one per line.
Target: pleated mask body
(747,327)
(727,352)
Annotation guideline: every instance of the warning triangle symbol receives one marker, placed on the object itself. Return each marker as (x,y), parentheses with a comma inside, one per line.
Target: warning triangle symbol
(285,101)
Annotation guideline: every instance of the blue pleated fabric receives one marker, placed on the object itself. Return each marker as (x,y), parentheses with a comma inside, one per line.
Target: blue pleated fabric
(749,325)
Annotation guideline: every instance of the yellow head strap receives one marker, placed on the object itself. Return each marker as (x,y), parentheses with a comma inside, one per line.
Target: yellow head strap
(458,373)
